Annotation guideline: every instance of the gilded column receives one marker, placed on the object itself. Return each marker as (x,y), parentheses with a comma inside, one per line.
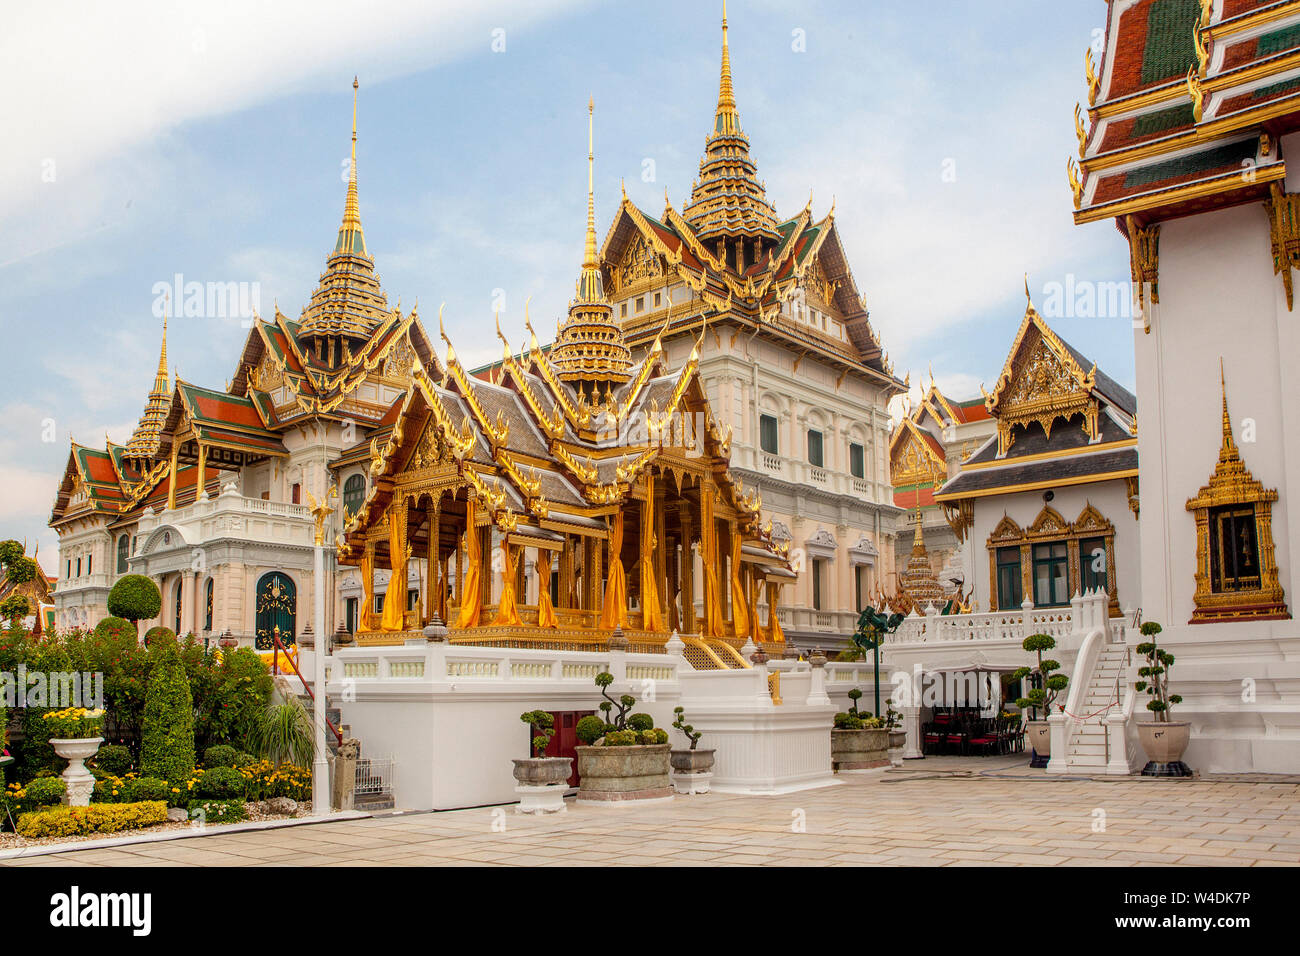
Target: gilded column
(433,560)
(688,576)
(171,478)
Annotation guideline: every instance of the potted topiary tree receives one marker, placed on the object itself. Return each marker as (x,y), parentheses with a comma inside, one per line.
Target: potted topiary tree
(75,735)
(692,768)
(625,757)
(1163,740)
(134,597)
(541,780)
(1041,697)
(858,742)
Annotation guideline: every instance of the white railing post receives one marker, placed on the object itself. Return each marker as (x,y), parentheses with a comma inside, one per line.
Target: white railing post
(1027,618)
(676,649)
(817,695)
(1076,613)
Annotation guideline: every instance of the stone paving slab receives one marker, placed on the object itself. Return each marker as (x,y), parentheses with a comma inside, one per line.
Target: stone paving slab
(948,814)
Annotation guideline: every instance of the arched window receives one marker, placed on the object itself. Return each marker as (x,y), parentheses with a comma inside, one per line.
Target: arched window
(354,493)
(207,606)
(123,552)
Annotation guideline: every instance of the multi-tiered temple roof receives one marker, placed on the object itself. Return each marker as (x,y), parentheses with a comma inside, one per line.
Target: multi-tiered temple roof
(289,373)
(1186,111)
(742,264)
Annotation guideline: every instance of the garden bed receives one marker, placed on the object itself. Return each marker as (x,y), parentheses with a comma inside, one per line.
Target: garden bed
(257,810)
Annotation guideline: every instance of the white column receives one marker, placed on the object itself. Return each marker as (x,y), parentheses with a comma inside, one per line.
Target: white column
(320,783)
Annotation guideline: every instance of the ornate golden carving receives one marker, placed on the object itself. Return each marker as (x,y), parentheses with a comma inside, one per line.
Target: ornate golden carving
(1144,264)
(640,264)
(1050,527)
(1232,484)
(1196,93)
(1090,74)
(1076,181)
(1284,231)
(1080,131)
(1043,389)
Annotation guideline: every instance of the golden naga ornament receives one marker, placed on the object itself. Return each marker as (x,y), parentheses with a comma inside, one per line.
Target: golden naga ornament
(1197,94)
(1080,131)
(1076,181)
(1090,73)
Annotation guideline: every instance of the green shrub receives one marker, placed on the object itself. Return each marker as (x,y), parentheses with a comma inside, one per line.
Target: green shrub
(847,721)
(96,818)
(218,811)
(221,783)
(243,760)
(167,750)
(115,628)
(110,790)
(146,788)
(622,738)
(158,635)
(641,722)
(134,597)
(15,609)
(654,736)
(113,759)
(222,755)
(231,700)
(689,732)
(590,729)
(45,791)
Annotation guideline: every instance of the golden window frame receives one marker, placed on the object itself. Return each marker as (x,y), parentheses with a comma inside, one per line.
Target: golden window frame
(1050,527)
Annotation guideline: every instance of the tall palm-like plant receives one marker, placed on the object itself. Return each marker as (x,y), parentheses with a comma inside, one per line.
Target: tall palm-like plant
(285,735)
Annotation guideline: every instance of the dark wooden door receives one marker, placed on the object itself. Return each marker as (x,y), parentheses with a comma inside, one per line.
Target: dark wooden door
(566,738)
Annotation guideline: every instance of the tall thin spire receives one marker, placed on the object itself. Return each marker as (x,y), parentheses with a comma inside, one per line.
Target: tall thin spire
(589,346)
(1229,447)
(143,442)
(351,238)
(727,200)
(590,286)
(728,120)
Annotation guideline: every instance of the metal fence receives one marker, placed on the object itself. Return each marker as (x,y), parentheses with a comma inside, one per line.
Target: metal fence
(375,775)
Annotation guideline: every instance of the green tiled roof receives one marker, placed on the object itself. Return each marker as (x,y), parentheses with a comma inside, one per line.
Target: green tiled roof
(1271,43)
(1162,120)
(1170,49)
(1232,154)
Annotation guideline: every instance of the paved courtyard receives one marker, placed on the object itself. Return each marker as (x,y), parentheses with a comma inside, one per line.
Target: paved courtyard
(942,813)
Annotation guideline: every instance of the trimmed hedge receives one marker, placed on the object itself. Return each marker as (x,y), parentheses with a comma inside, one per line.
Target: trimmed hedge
(145,788)
(115,629)
(222,783)
(134,597)
(96,818)
(168,748)
(113,759)
(222,755)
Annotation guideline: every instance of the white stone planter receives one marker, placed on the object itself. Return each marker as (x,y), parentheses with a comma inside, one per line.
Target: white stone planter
(78,779)
(692,770)
(542,783)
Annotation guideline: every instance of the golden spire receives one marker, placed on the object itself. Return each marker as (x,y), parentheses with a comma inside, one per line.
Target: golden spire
(351,238)
(143,442)
(590,286)
(161,381)
(589,345)
(728,120)
(1229,448)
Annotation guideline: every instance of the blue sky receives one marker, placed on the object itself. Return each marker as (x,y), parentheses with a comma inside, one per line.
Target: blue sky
(210,140)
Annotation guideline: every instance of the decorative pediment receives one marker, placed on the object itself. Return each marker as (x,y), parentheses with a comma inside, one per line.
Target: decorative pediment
(1006,530)
(1048,522)
(821,544)
(1041,382)
(640,264)
(1091,520)
(864,552)
(913,460)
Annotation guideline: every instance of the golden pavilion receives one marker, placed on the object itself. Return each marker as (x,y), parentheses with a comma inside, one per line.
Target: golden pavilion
(608,475)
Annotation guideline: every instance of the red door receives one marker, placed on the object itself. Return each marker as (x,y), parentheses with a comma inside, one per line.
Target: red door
(566,738)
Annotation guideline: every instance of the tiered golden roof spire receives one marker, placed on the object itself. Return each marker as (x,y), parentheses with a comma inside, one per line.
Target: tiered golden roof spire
(348,301)
(144,440)
(351,237)
(589,346)
(727,200)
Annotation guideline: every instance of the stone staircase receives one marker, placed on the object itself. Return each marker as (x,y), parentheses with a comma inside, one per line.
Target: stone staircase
(367,769)
(1087,748)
